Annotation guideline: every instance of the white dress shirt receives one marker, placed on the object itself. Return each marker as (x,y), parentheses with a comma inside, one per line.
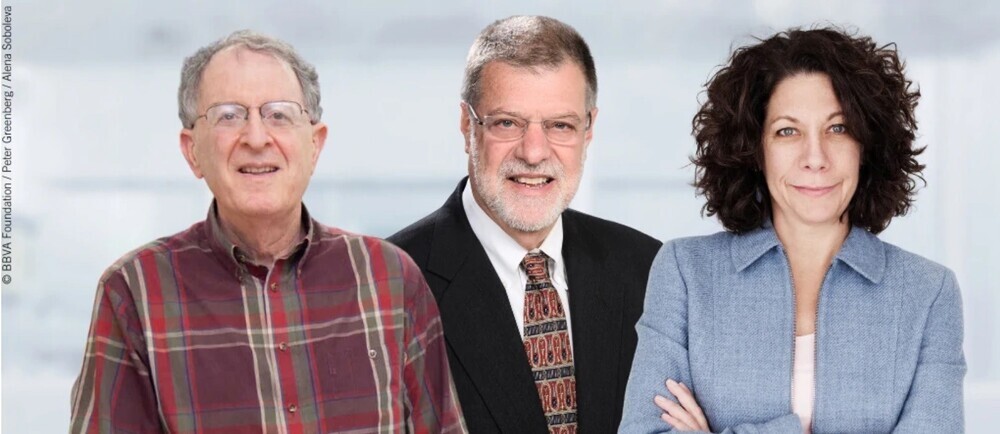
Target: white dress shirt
(506,255)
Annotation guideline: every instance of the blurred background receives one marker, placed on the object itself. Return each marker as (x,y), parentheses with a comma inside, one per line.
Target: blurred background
(98,171)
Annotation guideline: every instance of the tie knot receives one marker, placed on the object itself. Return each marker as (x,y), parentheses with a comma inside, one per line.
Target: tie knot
(536,265)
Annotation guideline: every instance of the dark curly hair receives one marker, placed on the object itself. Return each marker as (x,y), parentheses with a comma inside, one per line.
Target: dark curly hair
(875,97)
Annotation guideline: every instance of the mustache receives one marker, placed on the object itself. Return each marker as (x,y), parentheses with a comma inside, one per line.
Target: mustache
(515,166)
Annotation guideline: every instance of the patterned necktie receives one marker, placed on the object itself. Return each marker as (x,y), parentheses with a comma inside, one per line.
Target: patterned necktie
(546,342)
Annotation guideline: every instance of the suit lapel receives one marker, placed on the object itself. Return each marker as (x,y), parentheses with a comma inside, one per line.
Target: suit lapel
(596,312)
(479,325)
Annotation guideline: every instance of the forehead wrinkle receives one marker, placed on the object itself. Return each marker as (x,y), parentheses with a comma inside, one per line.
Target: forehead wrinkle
(502,111)
(490,88)
(489,76)
(241,55)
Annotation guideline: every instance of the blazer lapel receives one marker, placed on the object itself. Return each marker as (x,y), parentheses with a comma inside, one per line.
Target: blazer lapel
(479,325)
(596,312)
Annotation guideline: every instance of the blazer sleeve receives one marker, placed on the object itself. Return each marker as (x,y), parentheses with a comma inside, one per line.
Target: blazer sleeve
(662,353)
(934,403)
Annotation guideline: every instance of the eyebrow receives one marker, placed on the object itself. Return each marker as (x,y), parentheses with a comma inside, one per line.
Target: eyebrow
(301,104)
(226,103)
(794,120)
(564,115)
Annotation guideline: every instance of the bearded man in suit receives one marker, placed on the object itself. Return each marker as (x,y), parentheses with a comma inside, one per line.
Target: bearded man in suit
(513,270)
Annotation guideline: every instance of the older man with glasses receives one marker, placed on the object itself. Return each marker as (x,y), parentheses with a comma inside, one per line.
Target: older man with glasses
(260,319)
(539,302)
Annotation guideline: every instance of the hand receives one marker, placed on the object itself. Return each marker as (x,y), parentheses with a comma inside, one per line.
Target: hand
(686,416)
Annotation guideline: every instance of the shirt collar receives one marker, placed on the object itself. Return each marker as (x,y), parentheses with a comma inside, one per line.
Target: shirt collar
(865,253)
(222,245)
(502,249)
(862,251)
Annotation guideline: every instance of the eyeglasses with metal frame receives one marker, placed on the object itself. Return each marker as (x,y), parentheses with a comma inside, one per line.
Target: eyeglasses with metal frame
(504,127)
(233,116)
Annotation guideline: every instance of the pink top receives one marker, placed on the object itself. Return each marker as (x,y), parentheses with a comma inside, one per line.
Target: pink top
(803,379)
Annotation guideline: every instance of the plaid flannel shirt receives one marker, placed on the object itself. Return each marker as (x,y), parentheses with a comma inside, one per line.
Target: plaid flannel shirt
(188,337)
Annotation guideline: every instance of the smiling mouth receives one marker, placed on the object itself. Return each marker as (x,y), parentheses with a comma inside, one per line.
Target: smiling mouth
(258,170)
(814,191)
(531,181)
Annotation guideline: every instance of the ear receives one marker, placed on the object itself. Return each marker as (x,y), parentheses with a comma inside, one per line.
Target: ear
(187,149)
(318,141)
(589,135)
(465,125)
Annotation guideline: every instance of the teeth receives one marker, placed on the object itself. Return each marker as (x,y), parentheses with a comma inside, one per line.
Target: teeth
(258,170)
(531,181)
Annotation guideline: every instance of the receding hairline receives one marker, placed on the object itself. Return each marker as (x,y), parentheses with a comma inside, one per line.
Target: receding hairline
(239,50)
(528,40)
(486,78)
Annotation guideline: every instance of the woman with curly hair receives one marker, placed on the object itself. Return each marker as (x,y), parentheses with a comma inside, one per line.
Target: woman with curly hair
(798,318)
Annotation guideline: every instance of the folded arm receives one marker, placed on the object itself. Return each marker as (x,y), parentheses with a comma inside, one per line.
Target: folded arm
(662,354)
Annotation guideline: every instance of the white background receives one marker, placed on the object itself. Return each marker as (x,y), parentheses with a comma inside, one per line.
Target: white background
(98,171)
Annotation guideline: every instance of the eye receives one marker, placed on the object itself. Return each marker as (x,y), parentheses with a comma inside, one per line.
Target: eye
(785,132)
(279,114)
(562,126)
(506,123)
(226,115)
(838,129)
(228,118)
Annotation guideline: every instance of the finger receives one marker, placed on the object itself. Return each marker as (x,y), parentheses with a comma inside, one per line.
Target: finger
(675,410)
(691,405)
(661,402)
(684,396)
(698,414)
(676,423)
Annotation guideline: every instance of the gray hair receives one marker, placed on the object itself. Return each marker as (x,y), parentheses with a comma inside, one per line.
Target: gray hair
(194,66)
(527,41)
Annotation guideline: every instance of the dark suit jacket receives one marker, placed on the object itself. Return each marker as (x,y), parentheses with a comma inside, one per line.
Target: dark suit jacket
(607,265)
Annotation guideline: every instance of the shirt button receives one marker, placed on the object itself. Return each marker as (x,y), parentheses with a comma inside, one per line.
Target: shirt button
(372,354)
(283,346)
(274,286)
(293,408)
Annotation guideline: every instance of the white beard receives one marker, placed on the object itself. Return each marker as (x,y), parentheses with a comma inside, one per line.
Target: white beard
(525,214)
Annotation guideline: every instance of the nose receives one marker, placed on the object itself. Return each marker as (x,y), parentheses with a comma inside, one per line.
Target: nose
(534,147)
(814,153)
(255,134)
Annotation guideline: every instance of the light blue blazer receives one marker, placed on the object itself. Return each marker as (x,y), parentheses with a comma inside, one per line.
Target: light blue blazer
(719,317)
